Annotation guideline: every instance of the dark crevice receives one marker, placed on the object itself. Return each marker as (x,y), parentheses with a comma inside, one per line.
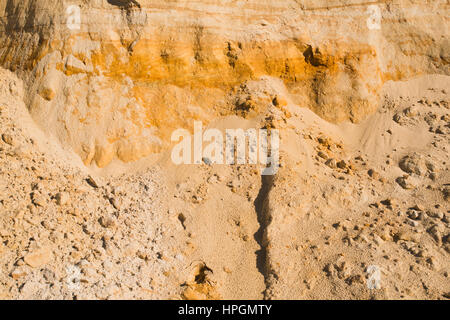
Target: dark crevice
(264,219)
(202,275)
(313,57)
(124,4)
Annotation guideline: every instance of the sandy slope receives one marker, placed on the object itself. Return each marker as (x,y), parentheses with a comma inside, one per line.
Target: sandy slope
(345,198)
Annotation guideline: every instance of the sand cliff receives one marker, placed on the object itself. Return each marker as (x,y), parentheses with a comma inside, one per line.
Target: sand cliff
(93,208)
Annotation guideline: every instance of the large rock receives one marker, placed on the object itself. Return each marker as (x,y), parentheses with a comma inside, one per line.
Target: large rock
(38,257)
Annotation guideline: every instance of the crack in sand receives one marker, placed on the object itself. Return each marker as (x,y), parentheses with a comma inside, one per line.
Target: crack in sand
(260,236)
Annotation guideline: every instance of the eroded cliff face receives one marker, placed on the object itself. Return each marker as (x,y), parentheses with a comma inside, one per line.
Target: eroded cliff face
(136,70)
(347,197)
